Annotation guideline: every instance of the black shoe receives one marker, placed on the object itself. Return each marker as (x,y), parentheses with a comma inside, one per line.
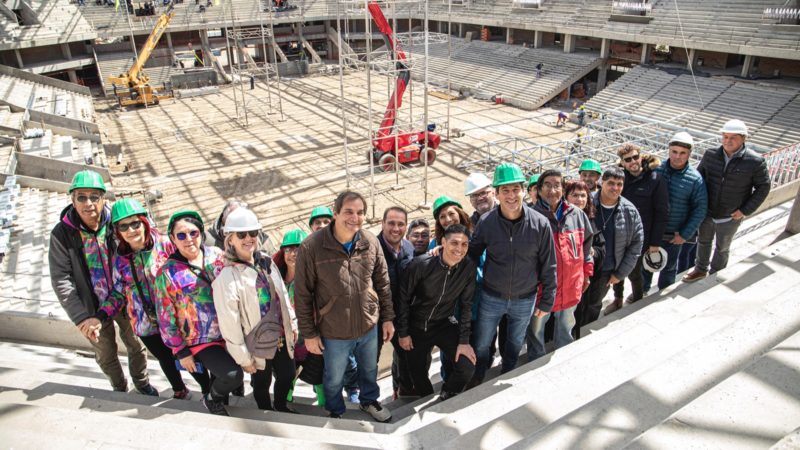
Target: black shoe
(333,415)
(147,389)
(121,388)
(239,392)
(444,395)
(286,410)
(216,407)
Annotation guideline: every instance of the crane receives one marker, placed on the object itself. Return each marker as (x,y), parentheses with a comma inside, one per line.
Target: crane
(133,87)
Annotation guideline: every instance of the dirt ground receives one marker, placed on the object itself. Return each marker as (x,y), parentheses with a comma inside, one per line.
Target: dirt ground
(197,153)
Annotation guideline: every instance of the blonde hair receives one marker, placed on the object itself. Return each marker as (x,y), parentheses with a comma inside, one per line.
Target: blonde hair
(230,255)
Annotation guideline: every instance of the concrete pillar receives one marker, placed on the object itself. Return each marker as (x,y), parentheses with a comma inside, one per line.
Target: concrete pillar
(692,59)
(602,76)
(569,43)
(65,52)
(328,43)
(509,36)
(19,58)
(461,30)
(645,54)
(747,67)
(169,43)
(73,77)
(537,39)
(605,48)
(793,224)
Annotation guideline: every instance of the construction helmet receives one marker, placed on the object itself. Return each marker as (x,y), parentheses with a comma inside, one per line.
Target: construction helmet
(87,179)
(476,182)
(241,219)
(441,202)
(126,207)
(682,138)
(507,173)
(320,211)
(654,262)
(735,126)
(293,237)
(533,180)
(182,213)
(591,165)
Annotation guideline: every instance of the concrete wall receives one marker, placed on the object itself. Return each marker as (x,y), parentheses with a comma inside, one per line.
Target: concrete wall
(194,79)
(766,66)
(713,59)
(67,86)
(53,169)
(780,195)
(80,134)
(64,122)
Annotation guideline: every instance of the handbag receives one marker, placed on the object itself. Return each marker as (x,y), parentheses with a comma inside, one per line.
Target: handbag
(264,340)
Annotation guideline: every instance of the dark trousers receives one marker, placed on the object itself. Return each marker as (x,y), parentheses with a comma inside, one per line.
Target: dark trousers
(637,282)
(105,353)
(166,360)
(590,309)
(227,375)
(445,336)
(401,376)
(283,368)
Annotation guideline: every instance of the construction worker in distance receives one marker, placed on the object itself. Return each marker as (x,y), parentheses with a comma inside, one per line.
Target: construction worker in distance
(321,216)
(590,172)
(581,115)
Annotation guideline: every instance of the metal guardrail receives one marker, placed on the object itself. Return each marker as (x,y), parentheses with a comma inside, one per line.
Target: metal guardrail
(784,164)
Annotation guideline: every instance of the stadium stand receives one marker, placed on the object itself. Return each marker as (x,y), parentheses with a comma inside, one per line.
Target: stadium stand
(58,21)
(24,94)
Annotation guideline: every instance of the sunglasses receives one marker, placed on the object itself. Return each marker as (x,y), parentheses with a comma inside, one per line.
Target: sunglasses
(135,225)
(194,234)
(84,198)
(244,234)
(631,158)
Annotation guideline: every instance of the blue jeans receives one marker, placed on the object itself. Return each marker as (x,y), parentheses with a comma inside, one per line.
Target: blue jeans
(490,311)
(564,322)
(351,375)
(337,353)
(667,275)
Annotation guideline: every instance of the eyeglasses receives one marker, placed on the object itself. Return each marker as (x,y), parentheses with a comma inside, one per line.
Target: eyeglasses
(135,225)
(244,234)
(194,234)
(292,249)
(551,187)
(84,198)
(631,158)
(419,235)
(480,194)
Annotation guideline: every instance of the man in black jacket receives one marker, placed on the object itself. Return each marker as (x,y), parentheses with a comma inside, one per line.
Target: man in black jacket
(648,192)
(738,182)
(436,288)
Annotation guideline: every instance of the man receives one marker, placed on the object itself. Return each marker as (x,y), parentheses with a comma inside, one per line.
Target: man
(519,255)
(419,234)
(342,297)
(81,247)
(688,203)
(398,253)
(478,188)
(572,234)
(533,191)
(590,172)
(647,190)
(321,216)
(435,288)
(621,227)
(738,182)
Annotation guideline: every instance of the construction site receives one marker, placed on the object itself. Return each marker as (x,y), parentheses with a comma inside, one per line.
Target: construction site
(285,104)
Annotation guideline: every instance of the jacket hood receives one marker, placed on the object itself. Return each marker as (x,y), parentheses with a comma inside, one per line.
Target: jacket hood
(71,218)
(215,230)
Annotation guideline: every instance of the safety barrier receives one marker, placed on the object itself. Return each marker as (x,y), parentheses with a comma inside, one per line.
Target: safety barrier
(784,164)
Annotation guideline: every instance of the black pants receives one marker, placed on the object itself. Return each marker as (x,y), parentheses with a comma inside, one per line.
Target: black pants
(227,375)
(445,336)
(166,360)
(593,304)
(283,368)
(401,376)
(637,282)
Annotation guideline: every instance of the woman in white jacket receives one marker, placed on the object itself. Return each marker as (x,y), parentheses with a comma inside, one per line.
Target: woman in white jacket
(245,292)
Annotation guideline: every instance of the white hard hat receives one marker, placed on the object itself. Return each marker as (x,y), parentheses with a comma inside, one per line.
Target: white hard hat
(654,262)
(241,219)
(683,137)
(734,126)
(476,182)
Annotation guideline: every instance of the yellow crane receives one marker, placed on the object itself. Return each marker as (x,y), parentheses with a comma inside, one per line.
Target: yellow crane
(133,88)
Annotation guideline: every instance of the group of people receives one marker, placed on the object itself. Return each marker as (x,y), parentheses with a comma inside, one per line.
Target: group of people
(211,301)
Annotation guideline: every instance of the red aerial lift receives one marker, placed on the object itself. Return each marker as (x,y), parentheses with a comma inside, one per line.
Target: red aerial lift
(404,147)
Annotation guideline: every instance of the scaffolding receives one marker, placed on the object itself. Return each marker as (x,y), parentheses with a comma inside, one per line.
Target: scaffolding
(247,69)
(368,71)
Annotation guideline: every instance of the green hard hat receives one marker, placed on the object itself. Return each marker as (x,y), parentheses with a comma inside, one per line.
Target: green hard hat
(592,165)
(87,179)
(507,173)
(534,178)
(441,202)
(126,207)
(293,237)
(320,211)
(180,214)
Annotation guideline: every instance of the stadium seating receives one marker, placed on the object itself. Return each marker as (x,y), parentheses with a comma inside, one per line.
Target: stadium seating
(44,98)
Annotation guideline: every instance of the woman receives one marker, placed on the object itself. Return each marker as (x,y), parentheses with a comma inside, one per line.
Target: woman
(446,212)
(187,317)
(141,252)
(577,193)
(249,296)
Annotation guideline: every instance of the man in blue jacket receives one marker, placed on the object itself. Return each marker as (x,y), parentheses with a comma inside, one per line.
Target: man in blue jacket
(688,203)
(520,254)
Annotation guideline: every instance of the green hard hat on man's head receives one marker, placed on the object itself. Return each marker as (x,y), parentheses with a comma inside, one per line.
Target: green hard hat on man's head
(591,165)
(507,173)
(320,211)
(126,207)
(87,179)
(182,213)
(441,202)
(293,237)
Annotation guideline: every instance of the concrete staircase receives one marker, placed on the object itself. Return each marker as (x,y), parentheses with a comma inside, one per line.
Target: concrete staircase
(22,94)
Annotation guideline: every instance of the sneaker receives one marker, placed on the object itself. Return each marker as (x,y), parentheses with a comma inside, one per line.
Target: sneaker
(147,389)
(377,412)
(352,395)
(215,407)
(238,392)
(694,275)
(333,415)
(183,394)
(444,395)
